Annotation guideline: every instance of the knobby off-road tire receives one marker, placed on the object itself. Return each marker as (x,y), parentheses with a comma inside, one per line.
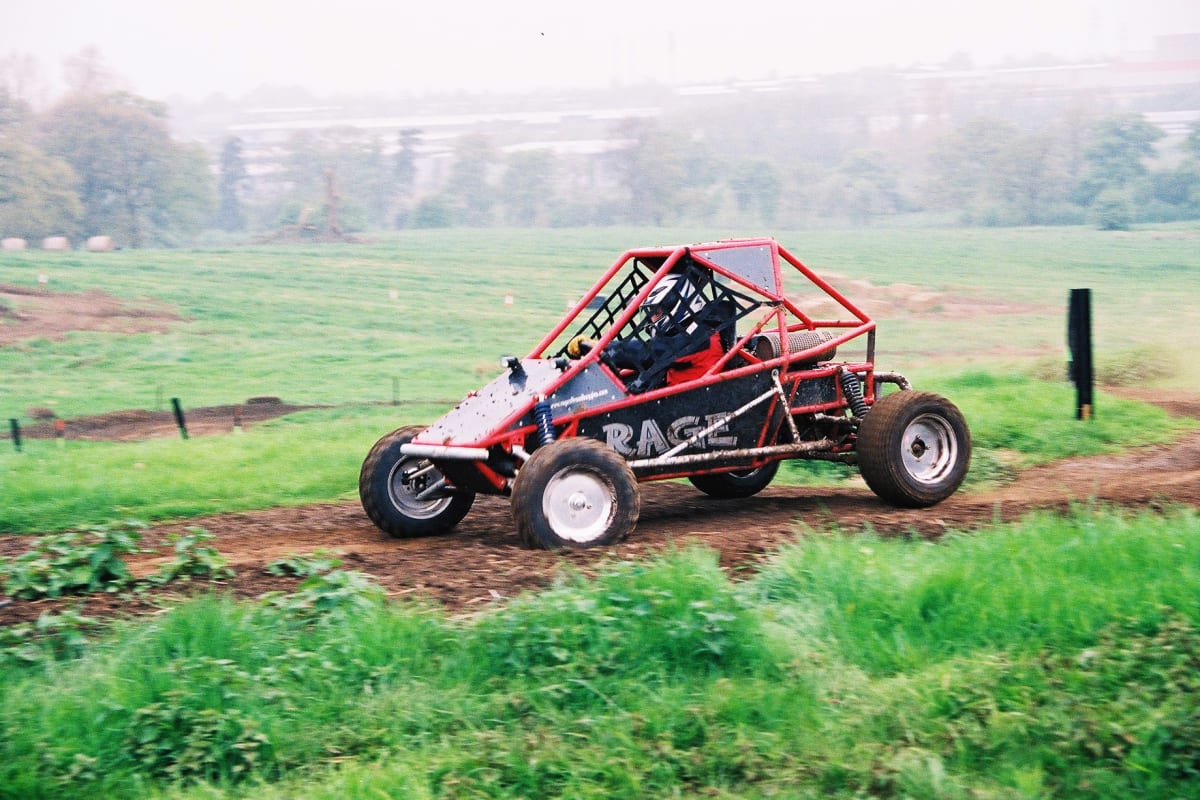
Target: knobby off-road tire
(736,484)
(575,493)
(389,490)
(913,448)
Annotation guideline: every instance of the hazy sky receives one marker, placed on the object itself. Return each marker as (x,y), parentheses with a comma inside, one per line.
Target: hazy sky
(197,47)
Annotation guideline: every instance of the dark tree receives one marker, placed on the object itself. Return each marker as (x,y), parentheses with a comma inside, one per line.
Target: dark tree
(37,192)
(468,189)
(229,189)
(965,165)
(1191,145)
(528,186)
(405,170)
(756,186)
(1115,155)
(651,172)
(135,183)
(356,157)
(864,186)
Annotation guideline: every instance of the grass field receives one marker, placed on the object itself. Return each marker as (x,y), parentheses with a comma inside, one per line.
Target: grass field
(420,318)
(1053,657)
(336,324)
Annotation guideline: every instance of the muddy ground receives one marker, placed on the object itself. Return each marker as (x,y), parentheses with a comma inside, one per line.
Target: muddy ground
(482,561)
(32,312)
(139,424)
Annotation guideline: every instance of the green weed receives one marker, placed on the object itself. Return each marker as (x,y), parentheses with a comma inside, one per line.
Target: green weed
(52,636)
(333,596)
(71,563)
(303,565)
(193,558)
(676,616)
(887,605)
(197,733)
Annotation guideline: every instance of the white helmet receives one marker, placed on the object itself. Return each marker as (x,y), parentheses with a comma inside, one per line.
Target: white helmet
(675,301)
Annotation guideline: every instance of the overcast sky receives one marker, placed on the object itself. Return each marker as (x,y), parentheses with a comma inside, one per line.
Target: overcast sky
(198,47)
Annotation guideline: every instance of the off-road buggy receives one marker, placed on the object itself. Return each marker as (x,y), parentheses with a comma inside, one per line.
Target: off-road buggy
(711,362)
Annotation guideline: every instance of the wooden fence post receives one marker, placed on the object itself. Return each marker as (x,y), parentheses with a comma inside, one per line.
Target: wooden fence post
(1079,339)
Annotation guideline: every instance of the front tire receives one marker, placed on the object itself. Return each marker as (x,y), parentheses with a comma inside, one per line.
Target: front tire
(913,448)
(575,493)
(736,484)
(400,493)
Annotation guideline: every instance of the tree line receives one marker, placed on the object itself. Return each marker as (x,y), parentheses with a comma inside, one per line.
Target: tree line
(99,162)
(104,162)
(1105,170)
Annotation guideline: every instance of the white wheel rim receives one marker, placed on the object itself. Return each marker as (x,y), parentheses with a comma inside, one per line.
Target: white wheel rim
(405,494)
(579,505)
(929,448)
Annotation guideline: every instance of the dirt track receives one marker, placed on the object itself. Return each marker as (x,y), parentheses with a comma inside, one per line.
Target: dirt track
(482,561)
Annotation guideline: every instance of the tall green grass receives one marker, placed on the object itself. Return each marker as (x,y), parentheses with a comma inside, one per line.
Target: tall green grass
(1037,419)
(1052,657)
(893,606)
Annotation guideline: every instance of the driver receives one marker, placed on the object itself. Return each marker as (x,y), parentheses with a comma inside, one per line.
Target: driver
(677,339)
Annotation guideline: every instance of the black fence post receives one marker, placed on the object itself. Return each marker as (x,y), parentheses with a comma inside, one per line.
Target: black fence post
(1079,339)
(15,427)
(179,417)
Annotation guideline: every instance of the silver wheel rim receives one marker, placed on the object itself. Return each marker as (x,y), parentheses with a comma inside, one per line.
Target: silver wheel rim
(929,449)
(744,473)
(405,493)
(579,505)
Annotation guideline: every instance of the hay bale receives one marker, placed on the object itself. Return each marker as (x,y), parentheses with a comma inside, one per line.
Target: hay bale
(100,244)
(56,243)
(12,243)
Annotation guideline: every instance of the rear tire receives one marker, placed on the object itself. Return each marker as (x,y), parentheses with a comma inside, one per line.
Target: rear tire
(575,493)
(390,491)
(913,448)
(736,484)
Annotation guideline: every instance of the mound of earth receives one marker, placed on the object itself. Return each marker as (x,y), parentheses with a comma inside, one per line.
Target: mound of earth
(37,312)
(482,561)
(135,425)
(905,299)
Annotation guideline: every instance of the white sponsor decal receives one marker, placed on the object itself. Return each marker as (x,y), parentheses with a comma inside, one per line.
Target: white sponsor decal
(582,398)
(652,440)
